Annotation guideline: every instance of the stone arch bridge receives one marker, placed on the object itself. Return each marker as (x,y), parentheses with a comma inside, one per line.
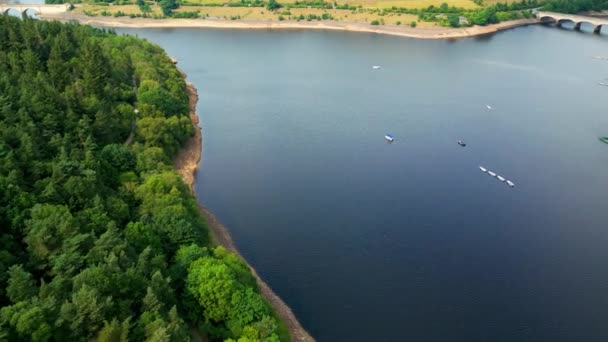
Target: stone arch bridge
(578,20)
(35,9)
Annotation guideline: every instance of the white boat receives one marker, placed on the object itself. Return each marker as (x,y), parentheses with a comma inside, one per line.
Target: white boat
(376,67)
(389,138)
(603,84)
(489,107)
(483,169)
(511,184)
(500,178)
(493,174)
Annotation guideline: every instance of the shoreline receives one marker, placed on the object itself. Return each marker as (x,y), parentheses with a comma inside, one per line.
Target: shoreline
(185,164)
(401,31)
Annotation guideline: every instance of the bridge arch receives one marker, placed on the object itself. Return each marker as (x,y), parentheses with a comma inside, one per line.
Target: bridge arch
(580,24)
(547,20)
(596,24)
(561,22)
(20,11)
(31,12)
(11,11)
(33,9)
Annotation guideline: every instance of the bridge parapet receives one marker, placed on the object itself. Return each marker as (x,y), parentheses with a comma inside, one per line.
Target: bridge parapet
(38,9)
(578,20)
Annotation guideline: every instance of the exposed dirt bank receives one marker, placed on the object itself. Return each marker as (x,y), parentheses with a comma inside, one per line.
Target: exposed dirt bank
(189,157)
(403,31)
(185,164)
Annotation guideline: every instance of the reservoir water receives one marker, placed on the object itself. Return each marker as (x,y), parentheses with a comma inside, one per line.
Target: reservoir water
(410,241)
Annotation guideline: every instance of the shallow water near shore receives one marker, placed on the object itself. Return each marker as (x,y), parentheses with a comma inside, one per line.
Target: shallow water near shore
(409,241)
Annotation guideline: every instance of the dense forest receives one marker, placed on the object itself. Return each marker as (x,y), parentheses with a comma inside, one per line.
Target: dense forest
(575,6)
(99,238)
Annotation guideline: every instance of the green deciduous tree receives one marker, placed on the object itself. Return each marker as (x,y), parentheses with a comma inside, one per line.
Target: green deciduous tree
(221,285)
(453,20)
(168,6)
(27,321)
(273,5)
(21,285)
(114,331)
(49,226)
(84,313)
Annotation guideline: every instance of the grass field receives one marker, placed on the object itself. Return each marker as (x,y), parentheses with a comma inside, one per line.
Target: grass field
(261,13)
(494,2)
(410,4)
(468,4)
(127,9)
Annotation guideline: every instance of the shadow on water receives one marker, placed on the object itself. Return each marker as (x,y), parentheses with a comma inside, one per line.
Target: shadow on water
(484,37)
(480,38)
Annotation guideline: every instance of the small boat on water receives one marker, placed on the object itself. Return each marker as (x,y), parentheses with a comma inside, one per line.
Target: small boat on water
(389,138)
(493,174)
(483,169)
(603,84)
(489,107)
(461,143)
(511,184)
(604,140)
(500,178)
(376,67)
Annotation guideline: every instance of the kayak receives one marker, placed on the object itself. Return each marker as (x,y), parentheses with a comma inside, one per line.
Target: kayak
(604,139)
(483,169)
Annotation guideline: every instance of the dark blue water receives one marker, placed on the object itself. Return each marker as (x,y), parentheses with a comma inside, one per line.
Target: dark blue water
(410,241)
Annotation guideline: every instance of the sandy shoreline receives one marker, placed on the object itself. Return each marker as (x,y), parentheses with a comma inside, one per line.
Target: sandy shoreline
(186,164)
(402,31)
